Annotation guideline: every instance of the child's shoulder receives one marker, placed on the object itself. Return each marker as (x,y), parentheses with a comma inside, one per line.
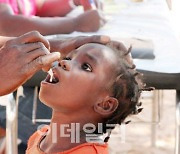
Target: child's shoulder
(87,148)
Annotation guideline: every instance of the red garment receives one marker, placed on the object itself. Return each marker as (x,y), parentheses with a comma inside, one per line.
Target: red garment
(28,6)
(86,148)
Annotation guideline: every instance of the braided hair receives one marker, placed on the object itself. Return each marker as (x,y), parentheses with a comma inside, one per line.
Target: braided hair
(126,88)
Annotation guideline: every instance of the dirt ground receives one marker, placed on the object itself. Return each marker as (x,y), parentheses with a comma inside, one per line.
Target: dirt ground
(152,131)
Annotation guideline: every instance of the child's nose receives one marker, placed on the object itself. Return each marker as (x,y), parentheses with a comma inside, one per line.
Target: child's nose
(65,64)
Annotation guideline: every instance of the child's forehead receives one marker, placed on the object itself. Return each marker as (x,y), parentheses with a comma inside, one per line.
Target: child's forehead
(97,50)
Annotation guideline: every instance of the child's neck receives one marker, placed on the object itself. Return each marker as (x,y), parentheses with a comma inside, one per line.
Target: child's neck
(65,133)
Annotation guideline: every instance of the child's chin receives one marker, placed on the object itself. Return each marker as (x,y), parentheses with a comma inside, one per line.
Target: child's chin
(43,97)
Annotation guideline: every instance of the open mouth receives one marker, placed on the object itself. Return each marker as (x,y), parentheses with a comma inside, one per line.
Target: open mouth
(54,80)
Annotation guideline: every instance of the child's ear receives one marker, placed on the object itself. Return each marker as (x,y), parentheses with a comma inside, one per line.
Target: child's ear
(107,106)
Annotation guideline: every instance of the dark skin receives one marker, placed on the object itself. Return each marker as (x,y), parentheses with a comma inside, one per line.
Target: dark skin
(16,25)
(65,45)
(22,57)
(82,88)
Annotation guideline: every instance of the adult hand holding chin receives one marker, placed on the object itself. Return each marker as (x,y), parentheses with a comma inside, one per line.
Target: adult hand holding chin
(21,58)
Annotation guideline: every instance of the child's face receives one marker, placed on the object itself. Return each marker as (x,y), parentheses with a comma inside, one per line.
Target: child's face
(82,79)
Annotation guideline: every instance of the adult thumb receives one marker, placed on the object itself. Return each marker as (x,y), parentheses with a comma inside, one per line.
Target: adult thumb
(42,62)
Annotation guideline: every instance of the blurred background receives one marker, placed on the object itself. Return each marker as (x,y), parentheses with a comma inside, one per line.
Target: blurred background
(153,130)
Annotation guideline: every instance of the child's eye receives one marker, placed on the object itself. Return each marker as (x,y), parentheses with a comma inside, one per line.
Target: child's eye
(66,58)
(86,67)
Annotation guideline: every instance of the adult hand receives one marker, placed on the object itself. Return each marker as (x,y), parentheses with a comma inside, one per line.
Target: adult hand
(89,21)
(120,46)
(66,45)
(21,57)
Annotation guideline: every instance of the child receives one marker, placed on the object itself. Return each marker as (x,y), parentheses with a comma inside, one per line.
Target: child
(18,17)
(94,86)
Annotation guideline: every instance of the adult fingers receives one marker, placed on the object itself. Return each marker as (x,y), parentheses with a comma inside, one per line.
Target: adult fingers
(70,44)
(31,47)
(119,46)
(102,39)
(31,37)
(76,42)
(41,62)
(49,59)
(33,54)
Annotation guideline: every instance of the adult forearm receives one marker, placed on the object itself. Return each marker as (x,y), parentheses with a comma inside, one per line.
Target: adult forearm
(44,25)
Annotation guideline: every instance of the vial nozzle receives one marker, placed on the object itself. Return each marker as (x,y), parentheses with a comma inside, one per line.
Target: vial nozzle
(50,72)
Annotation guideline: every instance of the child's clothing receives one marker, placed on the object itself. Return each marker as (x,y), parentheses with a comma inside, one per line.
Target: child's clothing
(25,7)
(86,148)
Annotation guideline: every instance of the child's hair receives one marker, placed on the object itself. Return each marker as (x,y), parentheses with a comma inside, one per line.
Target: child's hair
(126,88)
